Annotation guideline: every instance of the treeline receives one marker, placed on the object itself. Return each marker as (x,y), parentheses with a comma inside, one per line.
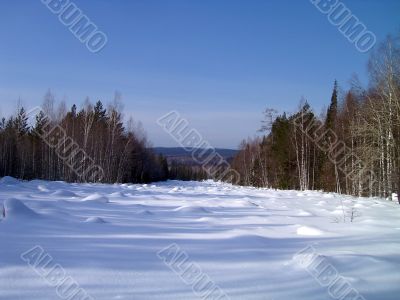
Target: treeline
(354,148)
(76,145)
(186,171)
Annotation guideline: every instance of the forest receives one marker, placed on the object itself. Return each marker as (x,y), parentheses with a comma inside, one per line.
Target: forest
(120,151)
(63,144)
(352,148)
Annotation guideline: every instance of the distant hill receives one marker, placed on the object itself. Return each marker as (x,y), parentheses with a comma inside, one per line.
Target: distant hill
(179,151)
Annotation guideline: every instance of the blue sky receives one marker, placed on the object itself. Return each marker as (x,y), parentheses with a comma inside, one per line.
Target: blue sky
(219,63)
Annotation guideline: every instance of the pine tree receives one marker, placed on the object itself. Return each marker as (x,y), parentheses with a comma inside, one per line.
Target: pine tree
(330,174)
(332,111)
(99,111)
(21,122)
(40,124)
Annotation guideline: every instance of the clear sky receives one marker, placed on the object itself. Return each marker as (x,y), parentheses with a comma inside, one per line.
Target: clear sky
(220,63)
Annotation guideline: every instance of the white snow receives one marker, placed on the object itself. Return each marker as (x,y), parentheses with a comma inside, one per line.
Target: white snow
(7,180)
(15,209)
(106,237)
(96,197)
(60,193)
(394,197)
(306,230)
(95,220)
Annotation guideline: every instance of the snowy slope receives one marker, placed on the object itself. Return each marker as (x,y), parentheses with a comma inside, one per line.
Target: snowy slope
(106,237)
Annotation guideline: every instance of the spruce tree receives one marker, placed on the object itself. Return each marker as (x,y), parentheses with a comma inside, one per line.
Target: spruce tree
(21,122)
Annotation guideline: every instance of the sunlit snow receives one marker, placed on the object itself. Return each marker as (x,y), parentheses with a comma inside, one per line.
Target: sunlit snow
(107,237)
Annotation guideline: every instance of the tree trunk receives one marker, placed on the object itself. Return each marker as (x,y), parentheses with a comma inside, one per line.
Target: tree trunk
(398,188)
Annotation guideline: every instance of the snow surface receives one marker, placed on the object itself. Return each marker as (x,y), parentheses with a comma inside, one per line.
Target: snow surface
(107,237)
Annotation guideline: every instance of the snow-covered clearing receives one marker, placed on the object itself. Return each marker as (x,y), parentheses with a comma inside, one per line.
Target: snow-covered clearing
(106,237)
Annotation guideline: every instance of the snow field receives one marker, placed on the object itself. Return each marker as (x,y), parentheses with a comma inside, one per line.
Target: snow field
(106,237)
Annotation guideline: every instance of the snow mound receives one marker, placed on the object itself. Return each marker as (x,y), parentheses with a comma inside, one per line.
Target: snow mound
(140,206)
(305,230)
(253,203)
(337,212)
(37,181)
(9,180)
(118,194)
(145,212)
(192,209)
(96,198)
(97,220)
(64,193)
(14,208)
(175,189)
(328,195)
(395,197)
(303,213)
(42,188)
